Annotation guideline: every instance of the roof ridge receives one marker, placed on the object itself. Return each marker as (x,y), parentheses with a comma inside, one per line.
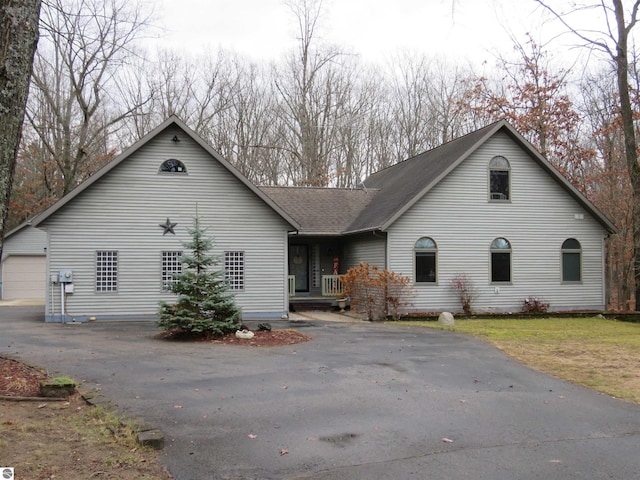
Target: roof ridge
(456,139)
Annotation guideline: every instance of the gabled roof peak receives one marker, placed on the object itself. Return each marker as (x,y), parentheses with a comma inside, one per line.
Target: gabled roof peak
(169,122)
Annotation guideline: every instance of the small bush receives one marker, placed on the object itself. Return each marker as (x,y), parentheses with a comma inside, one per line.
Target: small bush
(465,289)
(534,305)
(377,293)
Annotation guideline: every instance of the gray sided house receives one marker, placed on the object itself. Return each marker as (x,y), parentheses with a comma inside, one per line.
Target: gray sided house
(115,241)
(487,205)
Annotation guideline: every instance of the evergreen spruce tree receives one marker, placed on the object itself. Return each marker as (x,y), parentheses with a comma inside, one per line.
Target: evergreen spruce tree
(204,304)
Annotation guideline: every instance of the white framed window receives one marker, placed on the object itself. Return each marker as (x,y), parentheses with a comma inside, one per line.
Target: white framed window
(499,179)
(106,271)
(171,265)
(425,252)
(571,261)
(234,270)
(500,260)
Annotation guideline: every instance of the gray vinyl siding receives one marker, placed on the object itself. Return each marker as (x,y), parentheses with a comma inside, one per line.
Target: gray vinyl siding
(463,223)
(366,248)
(26,241)
(123,210)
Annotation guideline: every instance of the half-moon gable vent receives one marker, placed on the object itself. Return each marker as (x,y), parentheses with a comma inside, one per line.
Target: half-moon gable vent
(173,166)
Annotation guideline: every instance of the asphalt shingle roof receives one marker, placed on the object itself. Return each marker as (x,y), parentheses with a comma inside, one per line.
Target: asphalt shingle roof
(404,182)
(321,211)
(387,194)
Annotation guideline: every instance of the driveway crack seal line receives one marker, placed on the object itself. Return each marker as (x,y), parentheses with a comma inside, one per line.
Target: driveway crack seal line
(454,450)
(146,434)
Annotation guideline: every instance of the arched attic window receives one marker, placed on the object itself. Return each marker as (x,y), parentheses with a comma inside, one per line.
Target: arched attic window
(173,166)
(499,179)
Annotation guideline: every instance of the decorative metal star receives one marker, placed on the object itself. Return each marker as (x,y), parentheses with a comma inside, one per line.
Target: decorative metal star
(168,227)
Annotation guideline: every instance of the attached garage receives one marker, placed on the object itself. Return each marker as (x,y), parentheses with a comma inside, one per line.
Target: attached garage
(23,270)
(23,277)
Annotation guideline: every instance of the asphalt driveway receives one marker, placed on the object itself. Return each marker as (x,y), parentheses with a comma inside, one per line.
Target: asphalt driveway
(359,401)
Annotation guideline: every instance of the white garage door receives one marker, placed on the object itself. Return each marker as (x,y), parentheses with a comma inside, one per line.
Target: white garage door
(24,277)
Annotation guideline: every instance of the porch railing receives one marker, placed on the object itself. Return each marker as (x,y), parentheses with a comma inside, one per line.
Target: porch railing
(331,286)
(292,285)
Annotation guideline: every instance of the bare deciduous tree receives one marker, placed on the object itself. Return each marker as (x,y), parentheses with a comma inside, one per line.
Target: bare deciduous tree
(84,45)
(310,94)
(619,18)
(534,98)
(610,184)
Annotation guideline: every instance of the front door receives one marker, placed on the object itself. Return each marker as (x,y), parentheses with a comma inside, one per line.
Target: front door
(299,266)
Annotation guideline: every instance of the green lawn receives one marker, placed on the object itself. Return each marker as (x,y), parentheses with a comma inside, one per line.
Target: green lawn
(599,353)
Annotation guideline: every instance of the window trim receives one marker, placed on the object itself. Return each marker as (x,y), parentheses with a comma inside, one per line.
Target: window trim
(235,281)
(573,251)
(434,251)
(499,169)
(493,250)
(180,164)
(107,281)
(168,262)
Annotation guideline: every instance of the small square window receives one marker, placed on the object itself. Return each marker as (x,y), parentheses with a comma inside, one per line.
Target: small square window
(107,271)
(171,265)
(234,270)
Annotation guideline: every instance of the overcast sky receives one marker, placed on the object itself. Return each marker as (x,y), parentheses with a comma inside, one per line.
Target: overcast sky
(375,29)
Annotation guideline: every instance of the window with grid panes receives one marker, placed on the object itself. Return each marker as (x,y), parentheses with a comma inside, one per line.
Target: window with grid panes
(171,265)
(234,270)
(107,271)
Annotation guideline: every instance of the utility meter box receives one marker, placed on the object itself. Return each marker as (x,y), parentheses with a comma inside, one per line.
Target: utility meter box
(65,276)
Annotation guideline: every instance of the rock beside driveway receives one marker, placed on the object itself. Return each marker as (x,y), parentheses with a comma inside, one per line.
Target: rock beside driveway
(446,319)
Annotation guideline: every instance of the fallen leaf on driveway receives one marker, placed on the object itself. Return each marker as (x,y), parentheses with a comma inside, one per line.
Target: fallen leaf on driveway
(284,451)
(447,440)
(177,406)
(252,436)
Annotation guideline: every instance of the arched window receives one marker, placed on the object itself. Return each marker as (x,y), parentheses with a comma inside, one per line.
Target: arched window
(499,179)
(500,260)
(173,166)
(571,260)
(425,251)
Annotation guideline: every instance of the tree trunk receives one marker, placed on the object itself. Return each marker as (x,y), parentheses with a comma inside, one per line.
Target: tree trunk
(18,40)
(631,153)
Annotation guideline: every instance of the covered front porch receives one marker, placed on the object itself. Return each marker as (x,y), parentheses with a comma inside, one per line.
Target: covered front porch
(315,267)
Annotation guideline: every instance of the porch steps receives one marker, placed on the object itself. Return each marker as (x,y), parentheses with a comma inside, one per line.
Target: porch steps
(302,304)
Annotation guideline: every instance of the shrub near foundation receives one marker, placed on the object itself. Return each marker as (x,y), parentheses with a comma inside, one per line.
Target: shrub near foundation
(377,293)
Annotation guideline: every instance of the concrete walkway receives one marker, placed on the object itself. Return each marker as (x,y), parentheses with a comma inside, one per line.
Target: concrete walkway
(326,316)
